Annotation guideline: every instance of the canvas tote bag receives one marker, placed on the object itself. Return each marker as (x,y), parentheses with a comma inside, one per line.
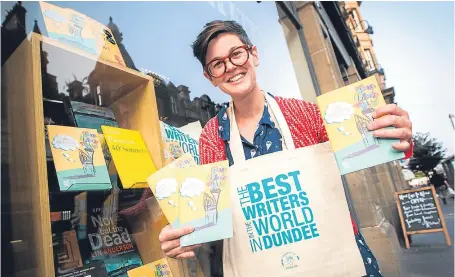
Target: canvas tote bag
(290,216)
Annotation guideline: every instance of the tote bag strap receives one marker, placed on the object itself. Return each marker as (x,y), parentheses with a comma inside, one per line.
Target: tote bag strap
(235,142)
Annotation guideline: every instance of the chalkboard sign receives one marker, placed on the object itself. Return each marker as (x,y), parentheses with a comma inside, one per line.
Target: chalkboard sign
(420,213)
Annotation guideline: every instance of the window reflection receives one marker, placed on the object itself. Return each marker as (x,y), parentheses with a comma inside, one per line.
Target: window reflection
(153,35)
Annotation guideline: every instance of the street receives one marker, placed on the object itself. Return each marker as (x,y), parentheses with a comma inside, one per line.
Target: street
(429,255)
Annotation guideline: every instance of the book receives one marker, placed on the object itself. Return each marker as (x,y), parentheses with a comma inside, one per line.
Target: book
(91,116)
(104,235)
(159,268)
(78,158)
(130,155)
(113,175)
(346,112)
(197,196)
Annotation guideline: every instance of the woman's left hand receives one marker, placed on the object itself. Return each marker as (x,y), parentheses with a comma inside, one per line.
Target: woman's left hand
(392,115)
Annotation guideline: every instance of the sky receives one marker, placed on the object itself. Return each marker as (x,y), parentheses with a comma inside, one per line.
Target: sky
(414,43)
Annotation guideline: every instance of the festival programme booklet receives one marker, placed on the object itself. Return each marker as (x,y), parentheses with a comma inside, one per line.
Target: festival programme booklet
(159,268)
(346,112)
(164,184)
(197,196)
(78,158)
(130,155)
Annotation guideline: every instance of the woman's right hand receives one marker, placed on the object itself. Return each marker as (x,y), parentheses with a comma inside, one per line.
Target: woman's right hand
(170,243)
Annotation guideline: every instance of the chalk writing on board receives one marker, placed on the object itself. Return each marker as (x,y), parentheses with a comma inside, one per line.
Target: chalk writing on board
(419,210)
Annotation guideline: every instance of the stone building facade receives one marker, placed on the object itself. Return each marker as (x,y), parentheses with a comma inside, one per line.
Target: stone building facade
(322,43)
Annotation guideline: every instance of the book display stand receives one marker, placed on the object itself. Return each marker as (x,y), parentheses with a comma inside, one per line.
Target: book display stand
(44,70)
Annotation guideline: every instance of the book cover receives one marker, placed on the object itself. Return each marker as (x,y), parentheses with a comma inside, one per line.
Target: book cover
(130,155)
(164,184)
(197,196)
(92,116)
(160,268)
(78,158)
(346,112)
(108,238)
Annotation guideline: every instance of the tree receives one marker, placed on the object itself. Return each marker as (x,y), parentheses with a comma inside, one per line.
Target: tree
(428,152)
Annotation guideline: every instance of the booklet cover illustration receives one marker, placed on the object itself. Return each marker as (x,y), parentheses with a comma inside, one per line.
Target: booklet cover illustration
(163,183)
(346,113)
(197,196)
(78,158)
(159,268)
(130,155)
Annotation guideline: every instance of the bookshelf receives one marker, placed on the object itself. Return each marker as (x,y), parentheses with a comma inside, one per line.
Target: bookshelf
(128,93)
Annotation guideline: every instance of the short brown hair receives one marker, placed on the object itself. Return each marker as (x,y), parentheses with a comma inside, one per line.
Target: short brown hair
(212,30)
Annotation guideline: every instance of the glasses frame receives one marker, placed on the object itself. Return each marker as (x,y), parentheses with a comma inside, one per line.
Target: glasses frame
(248,49)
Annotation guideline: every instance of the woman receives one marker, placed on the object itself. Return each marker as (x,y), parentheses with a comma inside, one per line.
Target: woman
(229,61)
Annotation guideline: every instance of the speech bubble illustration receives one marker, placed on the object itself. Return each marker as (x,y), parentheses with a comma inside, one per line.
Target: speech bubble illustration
(64,142)
(166,187)
(192,187)
(338,112)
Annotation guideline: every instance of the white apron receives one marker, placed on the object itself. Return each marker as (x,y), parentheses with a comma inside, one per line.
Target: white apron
(290,216)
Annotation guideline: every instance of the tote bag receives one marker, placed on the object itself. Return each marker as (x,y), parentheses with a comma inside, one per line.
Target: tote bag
(290,216)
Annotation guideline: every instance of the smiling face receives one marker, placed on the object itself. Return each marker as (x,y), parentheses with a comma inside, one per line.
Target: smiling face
(237,81)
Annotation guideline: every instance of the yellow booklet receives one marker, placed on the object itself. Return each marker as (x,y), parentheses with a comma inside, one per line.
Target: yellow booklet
(130,155)
(197,196)
(346,113)
(78,158)
(157,268)
(165,187)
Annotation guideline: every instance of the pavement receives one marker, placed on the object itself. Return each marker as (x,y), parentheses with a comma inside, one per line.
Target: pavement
(429,255)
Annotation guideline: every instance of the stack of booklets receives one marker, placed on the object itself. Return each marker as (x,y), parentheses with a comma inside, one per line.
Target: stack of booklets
(346,113)
(195,195)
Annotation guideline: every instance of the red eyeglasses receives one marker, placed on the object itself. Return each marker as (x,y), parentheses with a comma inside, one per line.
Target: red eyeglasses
(239,56)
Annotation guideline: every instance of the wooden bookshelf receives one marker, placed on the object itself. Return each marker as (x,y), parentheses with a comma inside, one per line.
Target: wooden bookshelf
(128,93)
